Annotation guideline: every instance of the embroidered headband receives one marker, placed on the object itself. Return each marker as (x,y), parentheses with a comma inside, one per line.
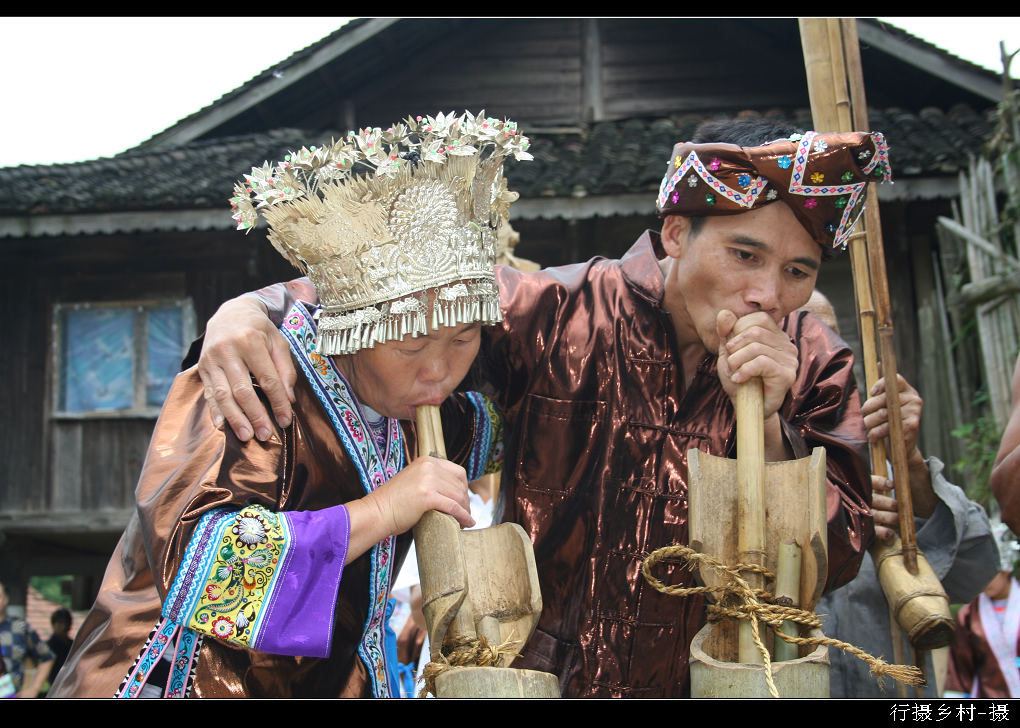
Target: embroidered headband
(390,223)
(821,176)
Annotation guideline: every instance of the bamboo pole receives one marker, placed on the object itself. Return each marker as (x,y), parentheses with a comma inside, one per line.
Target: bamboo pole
(751,498)
(788,594)
(432,533)
(476,585)
(836,88)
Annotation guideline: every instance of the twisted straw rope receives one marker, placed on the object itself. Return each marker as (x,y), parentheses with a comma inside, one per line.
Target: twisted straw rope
(753,605)
(465,651)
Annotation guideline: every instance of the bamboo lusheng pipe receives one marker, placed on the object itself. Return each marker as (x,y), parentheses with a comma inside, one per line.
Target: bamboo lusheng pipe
(430,431)
(431,442)
(751,498)
(931,623)
(832,61)
(788,594)
(480,598)
(883,309)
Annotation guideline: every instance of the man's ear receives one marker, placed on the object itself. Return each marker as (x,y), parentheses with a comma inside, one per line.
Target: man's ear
(675,230)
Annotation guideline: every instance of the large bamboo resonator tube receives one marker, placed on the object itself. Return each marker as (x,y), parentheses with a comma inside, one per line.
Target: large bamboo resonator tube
(477,586)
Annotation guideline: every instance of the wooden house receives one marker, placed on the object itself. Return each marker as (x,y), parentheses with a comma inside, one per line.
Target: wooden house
(110,266)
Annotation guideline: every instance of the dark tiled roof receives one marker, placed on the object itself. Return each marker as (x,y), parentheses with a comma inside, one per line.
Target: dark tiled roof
(604,158)
(424,24)
(196,175)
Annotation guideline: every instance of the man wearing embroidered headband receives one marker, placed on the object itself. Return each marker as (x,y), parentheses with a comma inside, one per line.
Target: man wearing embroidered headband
(609,371)
(261,568)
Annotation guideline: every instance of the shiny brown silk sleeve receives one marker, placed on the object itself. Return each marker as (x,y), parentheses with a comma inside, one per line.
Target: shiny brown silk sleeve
(193,467)
(555,308)
(190,468)
(960,666)
(279,297)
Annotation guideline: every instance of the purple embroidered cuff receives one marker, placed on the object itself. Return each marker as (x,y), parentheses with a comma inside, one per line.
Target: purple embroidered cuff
(299,619)
(263,580)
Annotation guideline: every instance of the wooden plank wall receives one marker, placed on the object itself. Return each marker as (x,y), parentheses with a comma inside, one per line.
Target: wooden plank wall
(565,71)
(689,65)
(22,360)
(67,464)
(521,69)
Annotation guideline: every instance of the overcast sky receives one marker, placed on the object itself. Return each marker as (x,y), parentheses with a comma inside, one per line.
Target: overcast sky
(84,88)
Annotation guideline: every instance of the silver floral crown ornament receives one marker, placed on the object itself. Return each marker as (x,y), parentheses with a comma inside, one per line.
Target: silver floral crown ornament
(390,223)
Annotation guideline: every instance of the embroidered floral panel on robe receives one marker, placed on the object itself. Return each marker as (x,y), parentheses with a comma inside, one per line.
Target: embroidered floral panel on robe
(236,552)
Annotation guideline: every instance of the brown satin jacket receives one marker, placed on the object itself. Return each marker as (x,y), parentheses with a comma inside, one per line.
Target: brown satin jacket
(972,660)
(192,467)
(598,424)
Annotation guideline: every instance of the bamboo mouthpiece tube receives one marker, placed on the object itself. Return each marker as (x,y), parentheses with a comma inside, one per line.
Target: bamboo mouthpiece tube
(430,431)
(751,496)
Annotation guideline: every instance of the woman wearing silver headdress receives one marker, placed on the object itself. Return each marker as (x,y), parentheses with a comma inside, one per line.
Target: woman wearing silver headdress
(265,565)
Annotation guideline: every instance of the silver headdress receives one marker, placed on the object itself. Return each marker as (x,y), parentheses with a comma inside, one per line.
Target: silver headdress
(385,219)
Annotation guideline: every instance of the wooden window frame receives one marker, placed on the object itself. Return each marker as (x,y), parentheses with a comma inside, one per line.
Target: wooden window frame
(140,358)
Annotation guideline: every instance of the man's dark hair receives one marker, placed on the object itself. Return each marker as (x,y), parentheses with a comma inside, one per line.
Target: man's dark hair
(61,615)
(749,132)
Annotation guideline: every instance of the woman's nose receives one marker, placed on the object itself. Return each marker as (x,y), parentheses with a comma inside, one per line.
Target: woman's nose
(435,371)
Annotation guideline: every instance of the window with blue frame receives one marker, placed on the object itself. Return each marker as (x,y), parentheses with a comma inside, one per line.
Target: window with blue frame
(118,358)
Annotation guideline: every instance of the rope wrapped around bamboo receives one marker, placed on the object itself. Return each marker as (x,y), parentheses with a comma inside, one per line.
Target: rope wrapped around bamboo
(754,605)
(464,652)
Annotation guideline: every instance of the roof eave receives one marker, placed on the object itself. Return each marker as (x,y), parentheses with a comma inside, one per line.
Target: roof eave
(212,116)
(535,208)
(938,65)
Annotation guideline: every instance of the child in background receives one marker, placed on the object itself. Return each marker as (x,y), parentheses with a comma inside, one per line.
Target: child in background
(983,660)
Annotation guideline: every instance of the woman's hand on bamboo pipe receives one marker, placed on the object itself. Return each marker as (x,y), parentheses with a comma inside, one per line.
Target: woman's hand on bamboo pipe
(427,484)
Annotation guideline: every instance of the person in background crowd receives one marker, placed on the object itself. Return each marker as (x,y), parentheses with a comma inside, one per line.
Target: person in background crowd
(19,642)
(60,641)
(952,531)
(983,660)
(1005,478)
